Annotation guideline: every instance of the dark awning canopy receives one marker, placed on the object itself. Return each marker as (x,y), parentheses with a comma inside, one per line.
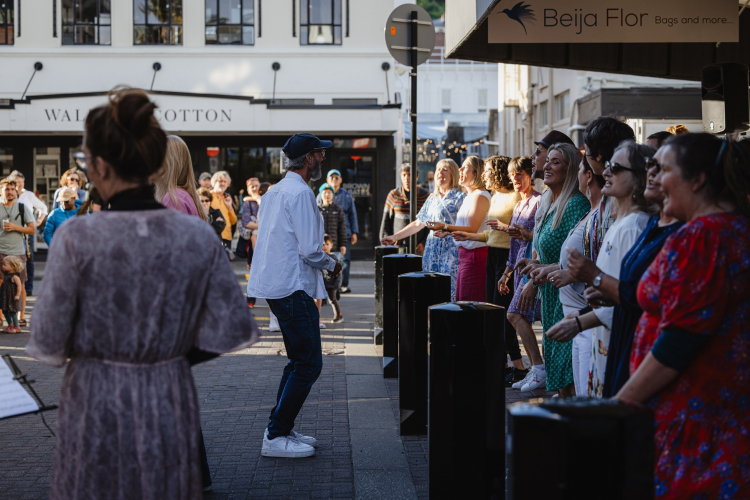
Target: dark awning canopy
(467,34)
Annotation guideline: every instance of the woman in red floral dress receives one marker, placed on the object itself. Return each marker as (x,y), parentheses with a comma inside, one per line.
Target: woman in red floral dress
(690,359)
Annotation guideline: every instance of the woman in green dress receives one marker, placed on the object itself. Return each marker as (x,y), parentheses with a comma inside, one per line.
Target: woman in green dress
(560,213)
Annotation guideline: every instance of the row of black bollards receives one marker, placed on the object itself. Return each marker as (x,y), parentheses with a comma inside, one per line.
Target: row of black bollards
(449,358)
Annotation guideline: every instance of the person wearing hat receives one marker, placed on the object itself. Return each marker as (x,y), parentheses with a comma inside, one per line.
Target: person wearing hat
(205,180)
(345,200)
(396,213)
(286,271)
(69,204)
(334,218)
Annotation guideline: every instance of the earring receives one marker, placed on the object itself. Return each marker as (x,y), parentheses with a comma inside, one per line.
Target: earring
(633,197)
(588,190)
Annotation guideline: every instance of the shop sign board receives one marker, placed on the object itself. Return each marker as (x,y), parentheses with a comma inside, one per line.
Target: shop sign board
(607,21)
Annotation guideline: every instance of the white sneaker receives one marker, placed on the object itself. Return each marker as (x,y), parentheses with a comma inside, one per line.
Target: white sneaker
(322,325)
(308,440)
(520,383)
(538,379)
(285,447)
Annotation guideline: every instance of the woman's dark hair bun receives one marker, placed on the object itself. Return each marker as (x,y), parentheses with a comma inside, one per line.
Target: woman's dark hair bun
(126,134)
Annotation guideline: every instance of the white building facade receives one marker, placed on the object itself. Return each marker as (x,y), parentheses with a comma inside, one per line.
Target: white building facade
(233,79)
(455,99)
(534,100)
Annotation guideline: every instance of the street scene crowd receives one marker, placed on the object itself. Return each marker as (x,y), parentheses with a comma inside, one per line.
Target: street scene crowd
(634,257)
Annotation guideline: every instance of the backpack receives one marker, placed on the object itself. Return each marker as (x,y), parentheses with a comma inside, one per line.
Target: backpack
(26,242)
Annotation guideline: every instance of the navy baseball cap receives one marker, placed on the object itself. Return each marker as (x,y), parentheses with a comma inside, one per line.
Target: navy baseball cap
(333,171)
(553,138)
(301,144)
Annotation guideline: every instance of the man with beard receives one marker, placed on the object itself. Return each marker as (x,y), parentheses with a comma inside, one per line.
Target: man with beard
(286,271)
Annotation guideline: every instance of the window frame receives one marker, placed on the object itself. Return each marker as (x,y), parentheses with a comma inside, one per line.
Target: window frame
(483,94)
(173,27)
(544,114)
(559,98)
(305,24)
(446,108)
(9,8)
(96,25)
(241,24)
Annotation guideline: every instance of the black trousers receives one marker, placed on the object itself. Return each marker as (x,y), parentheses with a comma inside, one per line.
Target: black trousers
(497,258)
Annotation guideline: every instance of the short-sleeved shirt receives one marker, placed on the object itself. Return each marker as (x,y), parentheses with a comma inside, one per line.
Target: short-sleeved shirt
(11,242)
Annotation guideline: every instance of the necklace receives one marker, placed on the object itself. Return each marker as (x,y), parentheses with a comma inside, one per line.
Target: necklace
(7,213)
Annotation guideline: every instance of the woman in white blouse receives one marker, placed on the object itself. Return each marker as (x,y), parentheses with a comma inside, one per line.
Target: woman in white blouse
(471,218)
(625,181)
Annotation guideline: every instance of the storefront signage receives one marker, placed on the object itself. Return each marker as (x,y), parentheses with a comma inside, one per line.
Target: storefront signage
(605,21)
(162,115)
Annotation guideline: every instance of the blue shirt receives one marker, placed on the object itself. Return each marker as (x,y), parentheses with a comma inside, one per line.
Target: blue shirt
(56,219)
(345,200)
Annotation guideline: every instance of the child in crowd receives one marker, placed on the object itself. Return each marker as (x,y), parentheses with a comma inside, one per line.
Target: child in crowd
(10,292)
(332,284)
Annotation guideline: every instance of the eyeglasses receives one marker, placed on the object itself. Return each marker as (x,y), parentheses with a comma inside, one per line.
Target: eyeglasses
(615,168)
(73,179)
(652,163)
(321,151)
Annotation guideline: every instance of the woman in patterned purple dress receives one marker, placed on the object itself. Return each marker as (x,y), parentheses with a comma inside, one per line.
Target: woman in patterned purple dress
(520,230)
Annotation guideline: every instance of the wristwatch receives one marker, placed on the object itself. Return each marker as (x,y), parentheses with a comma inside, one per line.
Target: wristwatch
(598,280)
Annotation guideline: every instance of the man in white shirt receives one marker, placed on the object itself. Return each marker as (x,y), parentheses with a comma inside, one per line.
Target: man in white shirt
(29,199)
(286,271)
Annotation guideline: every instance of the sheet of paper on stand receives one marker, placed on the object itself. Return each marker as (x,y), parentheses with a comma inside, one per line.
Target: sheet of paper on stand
(14,400)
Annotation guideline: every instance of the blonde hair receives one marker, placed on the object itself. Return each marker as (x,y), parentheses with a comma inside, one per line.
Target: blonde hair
(572,157)
(452,168)
(177,173)
(218,175)
(82,180)
(478,166)
(15,264)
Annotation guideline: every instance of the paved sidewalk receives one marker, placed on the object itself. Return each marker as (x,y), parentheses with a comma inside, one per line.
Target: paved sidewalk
(351,410)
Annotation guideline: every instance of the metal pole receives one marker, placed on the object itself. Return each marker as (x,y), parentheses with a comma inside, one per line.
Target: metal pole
(413,115)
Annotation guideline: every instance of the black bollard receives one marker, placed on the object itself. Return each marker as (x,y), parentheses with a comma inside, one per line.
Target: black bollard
(393,266)
(592,449)
(416,293)
(466,421)
(380,252)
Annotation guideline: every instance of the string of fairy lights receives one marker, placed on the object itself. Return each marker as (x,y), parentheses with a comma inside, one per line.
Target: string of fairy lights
(429,150)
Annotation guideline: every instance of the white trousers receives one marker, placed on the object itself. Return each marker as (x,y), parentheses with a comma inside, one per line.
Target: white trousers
(581,358)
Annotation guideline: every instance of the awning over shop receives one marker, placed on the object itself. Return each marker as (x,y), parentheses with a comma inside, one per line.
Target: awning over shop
(467,31)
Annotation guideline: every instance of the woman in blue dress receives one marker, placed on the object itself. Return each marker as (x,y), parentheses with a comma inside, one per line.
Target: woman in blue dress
(440,209)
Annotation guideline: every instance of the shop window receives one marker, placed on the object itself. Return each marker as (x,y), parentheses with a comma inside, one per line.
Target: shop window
(230,22)
(562,106)
(157,22)
(320,22)
(86,22)
(6,161)
(6,22)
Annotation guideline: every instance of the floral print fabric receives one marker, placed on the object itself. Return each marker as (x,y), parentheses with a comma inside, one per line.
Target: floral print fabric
(441,254)
(700,283)
(523,215)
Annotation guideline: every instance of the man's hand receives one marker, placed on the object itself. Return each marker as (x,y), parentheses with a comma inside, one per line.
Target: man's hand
(354,238)
(342,250)
(336,270)
(228,201)
(9,226)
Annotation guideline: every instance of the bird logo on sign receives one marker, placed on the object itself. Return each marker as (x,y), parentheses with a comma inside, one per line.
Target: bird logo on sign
(520,13)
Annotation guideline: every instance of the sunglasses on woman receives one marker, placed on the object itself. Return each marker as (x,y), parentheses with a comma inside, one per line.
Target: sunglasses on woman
(652,163)
(616,168)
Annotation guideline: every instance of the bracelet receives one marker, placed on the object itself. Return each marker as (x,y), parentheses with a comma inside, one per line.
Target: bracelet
(580,327)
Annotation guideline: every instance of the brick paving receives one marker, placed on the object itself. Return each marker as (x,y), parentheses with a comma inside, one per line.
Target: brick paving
(236,393)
